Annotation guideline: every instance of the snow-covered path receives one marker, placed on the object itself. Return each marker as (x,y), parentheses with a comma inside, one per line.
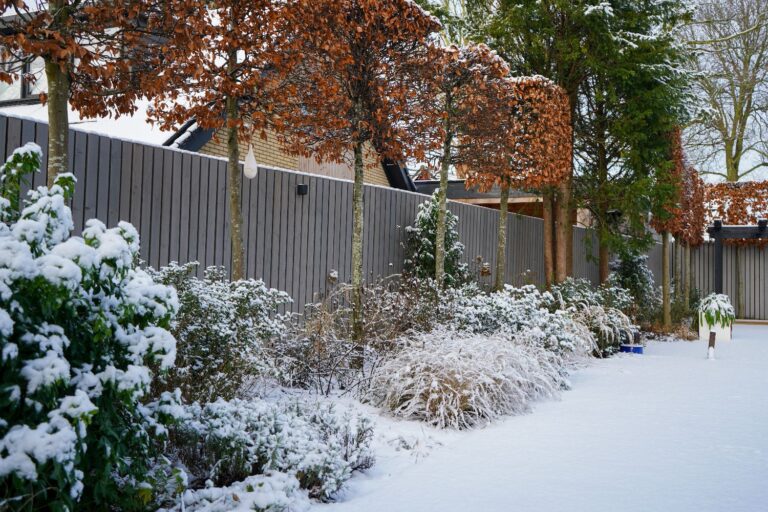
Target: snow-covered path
(667,431)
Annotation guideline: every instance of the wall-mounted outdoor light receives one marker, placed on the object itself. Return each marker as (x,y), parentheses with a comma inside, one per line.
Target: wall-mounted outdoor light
(302,189)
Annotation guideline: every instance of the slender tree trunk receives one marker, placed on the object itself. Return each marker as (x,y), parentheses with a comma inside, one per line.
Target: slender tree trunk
(357,246)
(58,119)
(568,225)
(665,282)
(441,211)
(687,271)
(562,233)
(604,256)
(549,237)
(501,241)
(737,264)
(234,184)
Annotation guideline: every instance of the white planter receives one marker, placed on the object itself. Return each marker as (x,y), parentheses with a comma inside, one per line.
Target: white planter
(721,333)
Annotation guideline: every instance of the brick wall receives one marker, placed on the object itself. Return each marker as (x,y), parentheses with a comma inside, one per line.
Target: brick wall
(269,153)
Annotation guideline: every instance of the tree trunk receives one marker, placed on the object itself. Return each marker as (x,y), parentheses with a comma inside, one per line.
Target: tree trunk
(687,277)
(58,119)
(549,237)
(357,246)
(441,212)
(501,241)
(604,256)
(665,282)
(737,264)
(234,184)
(563,237)
(568,226)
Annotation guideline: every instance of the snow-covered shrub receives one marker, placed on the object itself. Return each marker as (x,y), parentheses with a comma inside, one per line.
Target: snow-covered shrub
(223,330)
(82,333)
(516,310)
(422,240)
(631,273)
(599,309)
(609,326)
(271,492)
(581,292)
(226,442)
(716,310)
(454,379)
(320,353)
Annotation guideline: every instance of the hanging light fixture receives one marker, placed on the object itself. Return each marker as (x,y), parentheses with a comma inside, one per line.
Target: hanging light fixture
(251,167)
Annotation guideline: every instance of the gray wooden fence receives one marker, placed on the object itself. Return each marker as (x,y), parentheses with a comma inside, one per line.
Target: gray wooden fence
(750,264)
(177,201)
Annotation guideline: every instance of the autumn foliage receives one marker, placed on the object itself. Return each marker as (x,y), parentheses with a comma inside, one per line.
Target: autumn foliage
(692,209)
(356,81)
(529,144)
(88,39)
(669,219)
(738,204)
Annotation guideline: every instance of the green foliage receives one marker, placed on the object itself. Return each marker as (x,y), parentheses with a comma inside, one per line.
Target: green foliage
(717,309)
(224,330)
(82,334)
(630,272)
(420,245)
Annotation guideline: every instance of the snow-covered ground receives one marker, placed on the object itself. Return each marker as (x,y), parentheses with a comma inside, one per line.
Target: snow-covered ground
(666,431)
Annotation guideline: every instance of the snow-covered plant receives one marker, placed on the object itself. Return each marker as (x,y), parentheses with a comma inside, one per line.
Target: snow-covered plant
(717,310)
(227,441)
(420,244)
(223,331)
(271,492)
(454,379)
(581,292)
(514,310)
(631,273)
(82,334)
(321,354)
(609,325)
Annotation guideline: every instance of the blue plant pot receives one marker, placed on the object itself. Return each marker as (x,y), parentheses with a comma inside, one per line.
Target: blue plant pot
(631,349)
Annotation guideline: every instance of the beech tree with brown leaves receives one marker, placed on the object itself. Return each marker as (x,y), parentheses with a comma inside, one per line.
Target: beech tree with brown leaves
(226,67)
(355,88)
(459,83)
(669,219)
(692,225)
(529,147)
(95,55)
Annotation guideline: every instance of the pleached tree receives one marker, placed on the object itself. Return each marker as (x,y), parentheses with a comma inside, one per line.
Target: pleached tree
(356,86)
(668,219)
(530,148)
(460,84)
(95,56)
(226,68)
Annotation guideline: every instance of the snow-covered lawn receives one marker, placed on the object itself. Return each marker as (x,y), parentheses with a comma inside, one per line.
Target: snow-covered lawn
(666,431)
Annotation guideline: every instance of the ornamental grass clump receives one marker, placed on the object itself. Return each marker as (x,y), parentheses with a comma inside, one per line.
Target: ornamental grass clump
(454,379)
(83,333)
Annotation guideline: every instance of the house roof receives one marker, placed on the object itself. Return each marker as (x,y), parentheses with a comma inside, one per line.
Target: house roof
(457,190)
(134,128)
(192,137)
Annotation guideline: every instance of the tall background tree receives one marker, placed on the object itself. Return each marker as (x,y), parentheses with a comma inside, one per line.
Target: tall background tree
(729,40)
(227,67)
(356,88)
(631,98)
(95,55)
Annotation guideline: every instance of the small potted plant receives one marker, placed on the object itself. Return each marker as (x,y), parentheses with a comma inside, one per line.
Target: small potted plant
(716,314)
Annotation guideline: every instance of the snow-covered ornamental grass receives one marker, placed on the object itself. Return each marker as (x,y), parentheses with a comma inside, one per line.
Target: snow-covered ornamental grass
(82,332)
